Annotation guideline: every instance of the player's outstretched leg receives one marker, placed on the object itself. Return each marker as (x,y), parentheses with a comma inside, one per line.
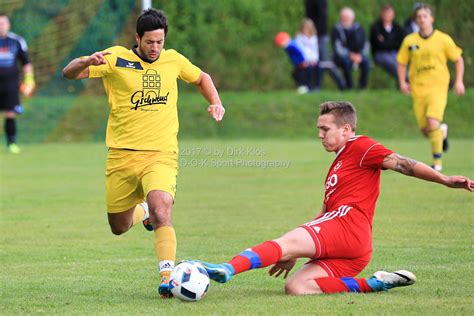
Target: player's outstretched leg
(260,256)
(390,280)
(380,281)
(297,243)
(221,273)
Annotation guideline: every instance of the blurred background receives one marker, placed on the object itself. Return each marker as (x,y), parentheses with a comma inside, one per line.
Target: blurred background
(232,40)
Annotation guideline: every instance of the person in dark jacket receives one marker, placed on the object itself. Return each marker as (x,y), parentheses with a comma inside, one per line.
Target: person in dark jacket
(351,48)
(386,36)
(410,25)
(317,11)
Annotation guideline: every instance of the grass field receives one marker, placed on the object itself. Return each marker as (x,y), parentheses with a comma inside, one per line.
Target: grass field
(59,257)
(249,114)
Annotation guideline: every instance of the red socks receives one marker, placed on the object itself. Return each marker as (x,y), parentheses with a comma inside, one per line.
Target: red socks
(340,285)
(260,256)
(269,253)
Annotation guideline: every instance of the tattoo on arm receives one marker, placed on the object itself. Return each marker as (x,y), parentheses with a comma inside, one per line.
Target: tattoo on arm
(402,164)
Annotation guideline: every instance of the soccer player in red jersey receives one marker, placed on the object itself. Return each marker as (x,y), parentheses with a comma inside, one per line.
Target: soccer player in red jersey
(339,240)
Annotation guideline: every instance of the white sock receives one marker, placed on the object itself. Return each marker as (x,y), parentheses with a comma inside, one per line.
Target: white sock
(147,211)
(166,265)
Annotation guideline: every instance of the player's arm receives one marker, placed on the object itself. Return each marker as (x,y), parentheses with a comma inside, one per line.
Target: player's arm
(79,68)
(402,74)
(28,85)
(459,84)
(410,167)
(209,91)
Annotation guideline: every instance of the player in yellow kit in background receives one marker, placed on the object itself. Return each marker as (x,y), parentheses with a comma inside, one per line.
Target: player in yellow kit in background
(427,54)
(142,129)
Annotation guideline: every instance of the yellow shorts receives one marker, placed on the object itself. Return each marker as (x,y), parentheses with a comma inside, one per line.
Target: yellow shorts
(429,106)
(130,175)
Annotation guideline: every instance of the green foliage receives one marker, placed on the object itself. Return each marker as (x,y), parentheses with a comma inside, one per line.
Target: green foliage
(60,258)
(30,19)
(101,32)
(233,40)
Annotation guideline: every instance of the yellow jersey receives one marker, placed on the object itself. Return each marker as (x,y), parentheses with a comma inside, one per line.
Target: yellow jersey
(427,59)
(143,98)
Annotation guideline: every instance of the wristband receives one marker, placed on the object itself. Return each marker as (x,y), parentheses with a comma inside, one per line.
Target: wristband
(29,79)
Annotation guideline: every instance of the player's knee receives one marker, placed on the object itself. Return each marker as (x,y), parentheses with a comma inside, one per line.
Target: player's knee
(118,229)
(432,125)
(299,287)
(291,288)
(160,217)
(160,209)
(10,114)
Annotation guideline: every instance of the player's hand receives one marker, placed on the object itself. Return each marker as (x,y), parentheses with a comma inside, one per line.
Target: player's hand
(216,111)
(282,266)
(460,182)
(459,88)
(405,88)
(27,89)
(97,59)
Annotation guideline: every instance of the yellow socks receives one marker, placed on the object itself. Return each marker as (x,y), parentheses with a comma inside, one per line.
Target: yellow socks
(140,213)
(436,139)
(165,249)
(165,241)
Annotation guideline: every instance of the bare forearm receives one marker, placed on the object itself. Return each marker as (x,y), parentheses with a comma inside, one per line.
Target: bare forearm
(28,69)
(459,66)
(413,168)
(208,90)
(402,73)
(419,170)
(425,172)
(76,69)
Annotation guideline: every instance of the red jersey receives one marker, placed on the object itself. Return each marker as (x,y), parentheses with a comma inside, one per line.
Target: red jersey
(354,177)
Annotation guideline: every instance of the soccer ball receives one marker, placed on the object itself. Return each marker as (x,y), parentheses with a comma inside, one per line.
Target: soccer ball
(190,281)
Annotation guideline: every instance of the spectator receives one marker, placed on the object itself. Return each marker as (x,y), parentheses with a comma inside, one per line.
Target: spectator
(303,70)
(307,40)
(351,48)
(386,36)
(317,11)
(410,25)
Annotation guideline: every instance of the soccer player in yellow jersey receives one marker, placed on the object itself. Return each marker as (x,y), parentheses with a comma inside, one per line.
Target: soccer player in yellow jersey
(142,129)
(426,54)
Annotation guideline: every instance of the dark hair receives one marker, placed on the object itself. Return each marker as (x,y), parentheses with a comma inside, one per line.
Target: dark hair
(423,6)
(151,20)
(3,14)
(343,111)
(386,7)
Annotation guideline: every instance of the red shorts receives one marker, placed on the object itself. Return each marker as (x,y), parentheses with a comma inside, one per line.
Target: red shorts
(343,240)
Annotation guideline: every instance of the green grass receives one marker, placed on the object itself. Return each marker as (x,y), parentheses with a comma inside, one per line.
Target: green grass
(250,114)
(59,257)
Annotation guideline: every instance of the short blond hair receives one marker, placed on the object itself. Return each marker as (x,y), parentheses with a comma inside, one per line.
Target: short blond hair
(310,24)
(344,112)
